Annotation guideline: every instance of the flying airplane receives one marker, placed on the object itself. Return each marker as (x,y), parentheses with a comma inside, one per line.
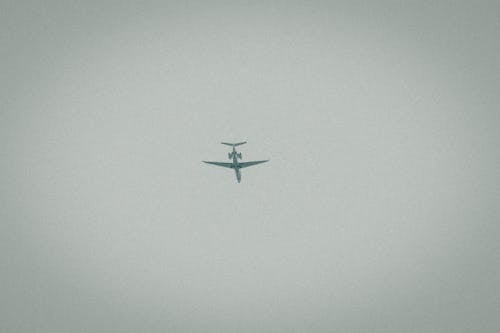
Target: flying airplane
(234,155)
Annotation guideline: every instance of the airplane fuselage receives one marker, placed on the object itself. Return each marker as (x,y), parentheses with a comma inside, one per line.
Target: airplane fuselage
(236,165)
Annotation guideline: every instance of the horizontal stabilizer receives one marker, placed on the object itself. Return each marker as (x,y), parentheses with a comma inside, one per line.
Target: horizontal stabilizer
(233,144)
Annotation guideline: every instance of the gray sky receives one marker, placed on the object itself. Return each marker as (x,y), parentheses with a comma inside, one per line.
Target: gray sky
(378,211)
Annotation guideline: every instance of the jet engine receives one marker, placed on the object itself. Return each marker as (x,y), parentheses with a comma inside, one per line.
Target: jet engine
(239,156)
(229,155)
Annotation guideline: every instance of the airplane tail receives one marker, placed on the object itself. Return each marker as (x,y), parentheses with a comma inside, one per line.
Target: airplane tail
(233,144)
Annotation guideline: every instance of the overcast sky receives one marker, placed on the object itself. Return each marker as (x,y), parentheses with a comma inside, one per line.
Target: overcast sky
(378,211)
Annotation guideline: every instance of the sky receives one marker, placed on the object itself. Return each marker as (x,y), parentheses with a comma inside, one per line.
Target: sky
(377,212)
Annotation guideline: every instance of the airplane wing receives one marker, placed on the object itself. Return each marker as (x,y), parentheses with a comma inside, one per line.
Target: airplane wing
(222,164)
(247,164)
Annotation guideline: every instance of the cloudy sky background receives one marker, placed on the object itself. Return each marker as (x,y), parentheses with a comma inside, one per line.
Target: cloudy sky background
(378,211)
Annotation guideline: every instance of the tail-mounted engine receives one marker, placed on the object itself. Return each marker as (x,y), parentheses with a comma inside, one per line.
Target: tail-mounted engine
(231,154)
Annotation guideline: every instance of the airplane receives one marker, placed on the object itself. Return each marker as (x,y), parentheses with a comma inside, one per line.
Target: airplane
(234,155)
